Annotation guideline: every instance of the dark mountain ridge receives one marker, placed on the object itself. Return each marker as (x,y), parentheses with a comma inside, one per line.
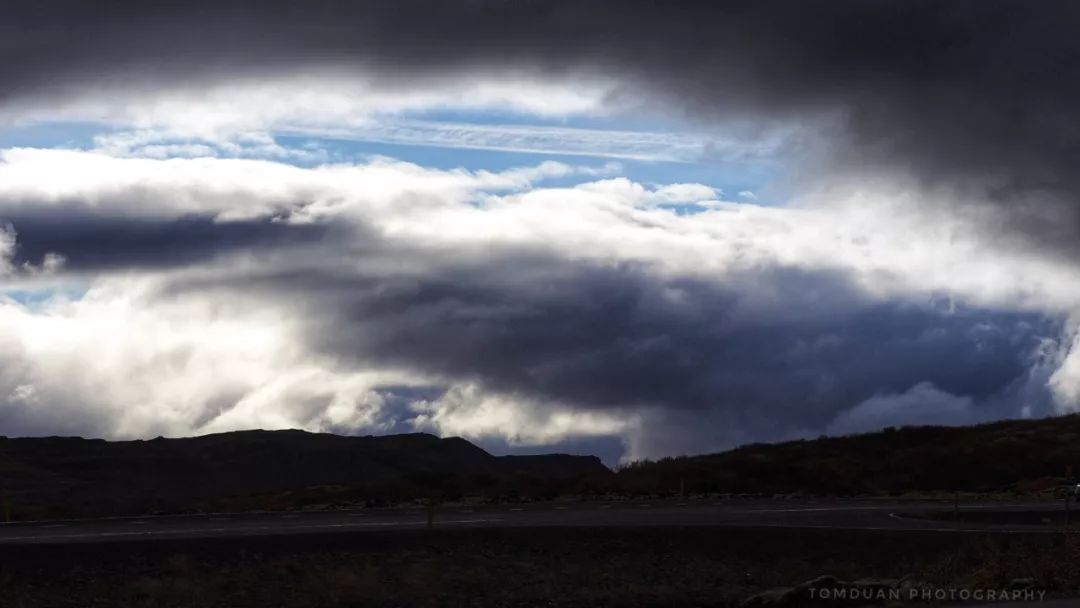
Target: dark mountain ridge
(71,476)
(1009,456)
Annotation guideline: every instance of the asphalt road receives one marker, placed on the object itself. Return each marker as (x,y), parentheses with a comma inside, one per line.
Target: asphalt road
(864,514)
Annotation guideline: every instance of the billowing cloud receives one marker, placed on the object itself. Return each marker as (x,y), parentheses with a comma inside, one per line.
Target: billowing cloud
(1064,376)
(310,297)
(7,251)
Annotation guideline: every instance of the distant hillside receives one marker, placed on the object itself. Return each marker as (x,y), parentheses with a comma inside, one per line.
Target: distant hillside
(71,477)
(1009,456)
(62,476)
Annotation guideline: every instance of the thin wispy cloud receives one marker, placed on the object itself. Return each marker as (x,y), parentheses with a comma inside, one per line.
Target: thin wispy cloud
(562,141)
(543,140)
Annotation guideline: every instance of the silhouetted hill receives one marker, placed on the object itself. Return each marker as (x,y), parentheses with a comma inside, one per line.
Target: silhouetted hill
(1009,456)
(66,476)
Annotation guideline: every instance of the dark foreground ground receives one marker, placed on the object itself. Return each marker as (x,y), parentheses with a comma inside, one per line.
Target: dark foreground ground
(523,566)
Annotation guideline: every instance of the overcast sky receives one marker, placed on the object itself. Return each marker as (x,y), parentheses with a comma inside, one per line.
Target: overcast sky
(631,228)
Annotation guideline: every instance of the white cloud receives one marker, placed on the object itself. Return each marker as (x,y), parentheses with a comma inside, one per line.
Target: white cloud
(466,410)
(51,263)
(127,361)
(234,188)
(218,110)
(684,193)
(23,393)
(636,145)
(1064,381)
(157,144)
(7,251)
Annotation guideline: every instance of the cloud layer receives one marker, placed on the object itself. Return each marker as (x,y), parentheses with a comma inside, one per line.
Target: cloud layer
(920,270)
(976,97)
(212,294)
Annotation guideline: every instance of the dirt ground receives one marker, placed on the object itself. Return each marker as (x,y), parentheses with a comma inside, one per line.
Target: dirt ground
(554,567)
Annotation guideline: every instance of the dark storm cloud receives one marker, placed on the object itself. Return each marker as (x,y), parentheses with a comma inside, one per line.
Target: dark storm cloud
(781,349)
(979,93)
(93,242)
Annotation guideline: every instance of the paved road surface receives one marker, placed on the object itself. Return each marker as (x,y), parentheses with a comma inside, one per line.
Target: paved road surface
(866,514)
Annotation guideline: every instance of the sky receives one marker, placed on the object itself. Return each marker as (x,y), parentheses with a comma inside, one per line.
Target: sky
(631,228)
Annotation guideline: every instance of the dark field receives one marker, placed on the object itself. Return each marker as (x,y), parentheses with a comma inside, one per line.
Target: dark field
(1005,517)
(613,566)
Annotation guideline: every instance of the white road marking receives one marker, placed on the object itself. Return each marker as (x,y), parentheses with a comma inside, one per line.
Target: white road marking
(815,509)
